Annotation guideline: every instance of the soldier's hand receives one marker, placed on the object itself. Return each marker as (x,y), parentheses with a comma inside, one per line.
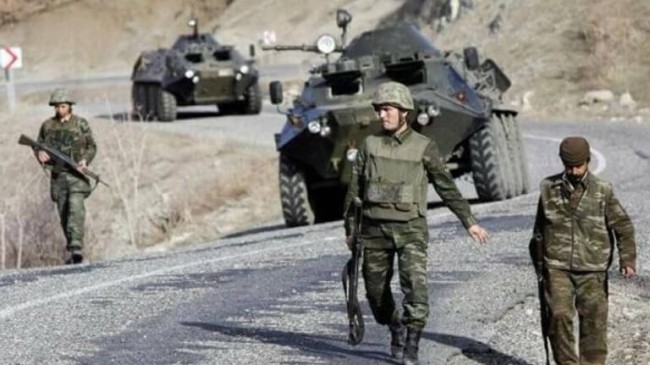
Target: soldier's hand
(628,272)
(42,157)
(82,166)
(478,234)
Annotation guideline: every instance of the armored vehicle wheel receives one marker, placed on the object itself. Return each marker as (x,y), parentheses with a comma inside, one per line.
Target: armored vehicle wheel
(140,100)
(490,162)
(166,106)
(512,150)
(293,195)
(517,153)
(150,101)
(253,102)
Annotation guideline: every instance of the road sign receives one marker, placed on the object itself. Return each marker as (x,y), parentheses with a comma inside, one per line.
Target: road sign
(11,57)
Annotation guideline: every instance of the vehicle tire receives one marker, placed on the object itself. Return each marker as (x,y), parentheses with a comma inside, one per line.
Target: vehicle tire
(141,102)
(253,102)
(293,195)
(166,106)
(151,101)
(520,162)
(489,160)
(514,157)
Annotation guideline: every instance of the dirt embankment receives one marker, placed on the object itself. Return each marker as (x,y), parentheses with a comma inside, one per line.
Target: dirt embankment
(554,51)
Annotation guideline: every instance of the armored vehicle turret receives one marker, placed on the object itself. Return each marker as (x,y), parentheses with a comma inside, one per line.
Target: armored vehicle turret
(197,70)
(458,103)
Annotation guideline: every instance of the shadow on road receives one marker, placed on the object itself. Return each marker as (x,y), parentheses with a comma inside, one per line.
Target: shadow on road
(276,227)
(477,351)
(128,117)
(312,344)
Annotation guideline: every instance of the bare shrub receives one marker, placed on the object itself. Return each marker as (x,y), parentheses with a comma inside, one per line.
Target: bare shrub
(165,188)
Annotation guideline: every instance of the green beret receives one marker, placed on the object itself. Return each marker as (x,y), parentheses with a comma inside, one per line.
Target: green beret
(574,151)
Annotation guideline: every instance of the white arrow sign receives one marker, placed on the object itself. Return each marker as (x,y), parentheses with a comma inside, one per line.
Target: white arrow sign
(11,57)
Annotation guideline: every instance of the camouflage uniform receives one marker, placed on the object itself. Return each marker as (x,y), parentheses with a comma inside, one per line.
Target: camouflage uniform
(68,187)
(575,223)
(396,225)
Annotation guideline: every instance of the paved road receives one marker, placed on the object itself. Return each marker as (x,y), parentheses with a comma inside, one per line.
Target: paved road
(273,296)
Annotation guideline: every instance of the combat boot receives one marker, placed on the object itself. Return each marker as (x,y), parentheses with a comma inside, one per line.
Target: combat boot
(397,337)
(76,257)
(411,348)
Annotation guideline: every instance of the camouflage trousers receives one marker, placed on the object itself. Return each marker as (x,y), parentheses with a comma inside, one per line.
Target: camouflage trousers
(406,241)
(69,191)
(585,293)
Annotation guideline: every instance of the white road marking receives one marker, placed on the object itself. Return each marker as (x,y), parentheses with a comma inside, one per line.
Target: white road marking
(11,310)
(601,161)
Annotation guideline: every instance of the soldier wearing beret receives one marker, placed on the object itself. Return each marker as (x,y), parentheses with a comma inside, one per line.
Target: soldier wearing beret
(71,135)
(578,221)
(390,176)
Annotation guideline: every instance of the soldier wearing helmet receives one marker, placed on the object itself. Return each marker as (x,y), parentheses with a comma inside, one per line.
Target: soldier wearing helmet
(390,176)
(578,216)
(70,135)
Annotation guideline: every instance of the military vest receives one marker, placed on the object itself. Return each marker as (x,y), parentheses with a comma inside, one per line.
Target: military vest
(395,183)
(576,239)
(66,137)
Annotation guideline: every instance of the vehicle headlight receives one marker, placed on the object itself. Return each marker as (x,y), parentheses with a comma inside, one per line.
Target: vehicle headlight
(189,74)
(423,119)
(433,110)
(244,69)
(351,154)
(195,79)
(314,126)
(326,44)
(325,131)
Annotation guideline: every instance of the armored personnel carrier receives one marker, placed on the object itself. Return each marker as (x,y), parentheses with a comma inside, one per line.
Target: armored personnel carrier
(197,70)
(458,103)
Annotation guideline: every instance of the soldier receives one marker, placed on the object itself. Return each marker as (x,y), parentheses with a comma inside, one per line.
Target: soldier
(70,135)
(390,176)
(577,217)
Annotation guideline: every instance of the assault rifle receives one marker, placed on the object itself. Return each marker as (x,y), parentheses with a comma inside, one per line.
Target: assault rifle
(350,279)
(56,155)
(536,251)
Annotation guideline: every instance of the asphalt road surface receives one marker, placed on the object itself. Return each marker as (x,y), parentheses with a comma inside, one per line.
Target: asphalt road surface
(273,296)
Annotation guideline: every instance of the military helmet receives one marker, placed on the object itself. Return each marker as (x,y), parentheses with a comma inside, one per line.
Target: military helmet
(61,96)
(395,94)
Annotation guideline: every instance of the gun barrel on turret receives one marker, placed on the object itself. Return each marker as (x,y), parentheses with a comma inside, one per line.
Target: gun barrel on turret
(303,47)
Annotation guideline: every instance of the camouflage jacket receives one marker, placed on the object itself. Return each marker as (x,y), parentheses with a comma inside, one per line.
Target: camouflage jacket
(384,168)
(72,138)
(578,235)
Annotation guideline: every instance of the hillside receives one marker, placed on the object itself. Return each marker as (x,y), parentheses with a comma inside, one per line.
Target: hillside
(553,50)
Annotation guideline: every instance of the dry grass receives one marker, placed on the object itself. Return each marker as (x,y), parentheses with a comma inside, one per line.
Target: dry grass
(166,190)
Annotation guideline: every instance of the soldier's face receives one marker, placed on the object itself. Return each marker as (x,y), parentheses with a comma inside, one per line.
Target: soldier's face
(62,110)
(577,171)
(393,119)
